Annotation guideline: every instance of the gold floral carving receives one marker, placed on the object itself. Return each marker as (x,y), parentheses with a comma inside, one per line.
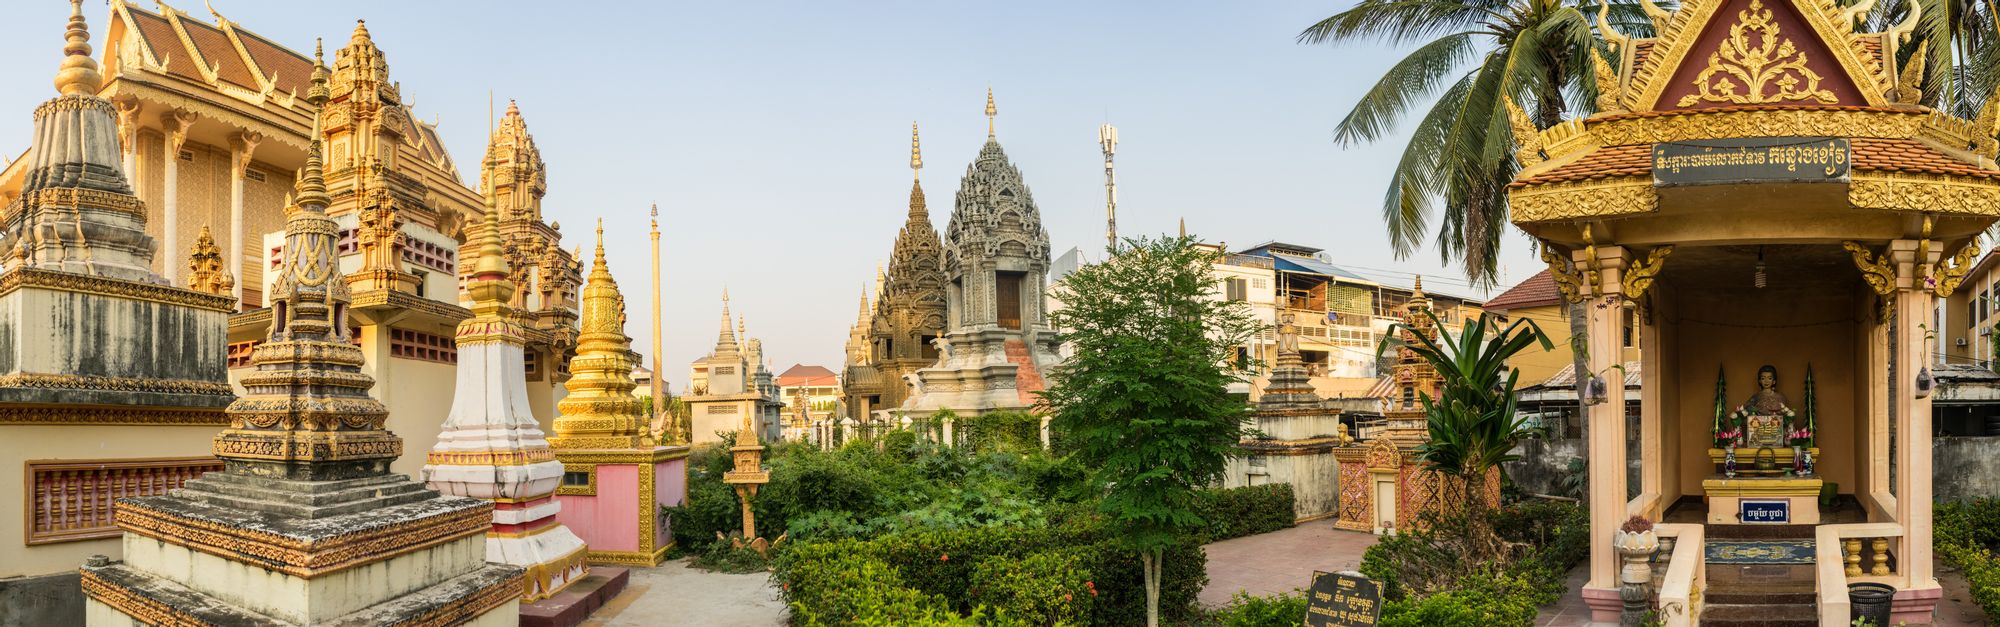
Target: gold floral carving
(1910,84)
(305,558)
(1877,270)
(1588,199)
(1932,193)
(1676,41)
(1948,273)
(1771,69)
(1564,272)
(1639,277)
(84,284)
(1608,91)
(110,415)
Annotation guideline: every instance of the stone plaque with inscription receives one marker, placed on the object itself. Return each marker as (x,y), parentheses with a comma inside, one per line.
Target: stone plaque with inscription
(1343,599)
(1752,160)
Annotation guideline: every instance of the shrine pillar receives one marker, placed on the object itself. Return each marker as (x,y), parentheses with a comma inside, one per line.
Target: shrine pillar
(1914,301)
(1602,268)
(177,123)
(241,146)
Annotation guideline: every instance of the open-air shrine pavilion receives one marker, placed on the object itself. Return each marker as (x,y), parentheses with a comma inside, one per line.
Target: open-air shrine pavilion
(1761,188)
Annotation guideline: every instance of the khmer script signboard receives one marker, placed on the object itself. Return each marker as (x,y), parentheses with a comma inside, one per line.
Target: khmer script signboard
(1765,511)
(1752,160)
(1343,599)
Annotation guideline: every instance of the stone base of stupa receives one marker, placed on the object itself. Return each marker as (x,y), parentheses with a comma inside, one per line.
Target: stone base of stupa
(234,549)
(988,369)
(574,604)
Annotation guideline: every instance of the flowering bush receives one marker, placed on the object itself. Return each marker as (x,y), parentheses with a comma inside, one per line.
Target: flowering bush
(1044,588)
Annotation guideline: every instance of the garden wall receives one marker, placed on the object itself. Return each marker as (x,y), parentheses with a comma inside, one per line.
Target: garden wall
(1965,468)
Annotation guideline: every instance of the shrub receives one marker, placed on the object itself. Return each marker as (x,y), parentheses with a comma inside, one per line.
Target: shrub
(1485,599)
(1010,431)
(1966,534)
(1545,539)
(1282,610)
(859,589)
(1250,510)
(1047,588)
(945,565)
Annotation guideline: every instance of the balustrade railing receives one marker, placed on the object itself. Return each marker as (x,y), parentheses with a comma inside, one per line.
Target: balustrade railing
(1682,586)
(1842,560)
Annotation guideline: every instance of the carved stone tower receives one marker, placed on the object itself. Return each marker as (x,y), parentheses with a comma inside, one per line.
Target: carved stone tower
(995,262)
(306,502)
(911,312)
(1414,377)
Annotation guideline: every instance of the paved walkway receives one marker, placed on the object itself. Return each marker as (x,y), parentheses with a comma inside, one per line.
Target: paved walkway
(1279,561)
(675,594)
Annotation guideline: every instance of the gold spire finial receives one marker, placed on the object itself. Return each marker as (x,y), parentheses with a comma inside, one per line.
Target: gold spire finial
(916,149)
(990,112)
(1183,227)
(79,75)
(1420,284)
(317,93)
(656,218)
(360,33)
(492,257)
(600,240)
(311,186)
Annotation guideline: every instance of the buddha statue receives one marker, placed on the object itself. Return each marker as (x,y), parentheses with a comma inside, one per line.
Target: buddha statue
(1766,415)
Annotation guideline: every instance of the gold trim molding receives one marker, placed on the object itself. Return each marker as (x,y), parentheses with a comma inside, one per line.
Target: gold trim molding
(41,381)
(1934,193)
(29,277)
(1591,199)
(1764,122)
(300,558)
(110,415)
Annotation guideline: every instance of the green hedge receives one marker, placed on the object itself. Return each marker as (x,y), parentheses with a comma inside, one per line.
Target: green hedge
(1237,512)
(1966,534)
(947,565)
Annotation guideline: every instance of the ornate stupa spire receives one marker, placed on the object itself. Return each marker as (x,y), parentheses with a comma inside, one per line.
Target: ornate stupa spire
(206,272)
(600,411)
(79,75)
(77,213)
(491,447)
(306,413)
(725,340)
(990,112)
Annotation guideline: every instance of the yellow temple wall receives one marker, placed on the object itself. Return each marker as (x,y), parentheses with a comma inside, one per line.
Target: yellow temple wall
(74,443)
(203,200)
(418,394)
(1745,330)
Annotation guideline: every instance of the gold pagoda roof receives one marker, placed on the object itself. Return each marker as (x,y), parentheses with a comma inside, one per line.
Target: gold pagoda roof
(1756,70)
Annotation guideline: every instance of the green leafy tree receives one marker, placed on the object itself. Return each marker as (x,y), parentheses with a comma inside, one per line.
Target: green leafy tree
(1473,423)
(1144,401)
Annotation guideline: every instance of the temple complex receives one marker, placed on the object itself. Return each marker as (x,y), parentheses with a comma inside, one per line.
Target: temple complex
(491,447)
(212,123)
(731,387)
(900,333)
(1783,243)
(306,524)
(615,476)
(997,343)
(111,380)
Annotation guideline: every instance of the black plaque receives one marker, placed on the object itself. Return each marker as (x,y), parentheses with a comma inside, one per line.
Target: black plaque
(1343,599)
(1752,160)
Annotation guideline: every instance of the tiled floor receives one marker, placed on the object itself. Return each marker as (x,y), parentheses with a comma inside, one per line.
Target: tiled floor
(1281,560)
(1956,609)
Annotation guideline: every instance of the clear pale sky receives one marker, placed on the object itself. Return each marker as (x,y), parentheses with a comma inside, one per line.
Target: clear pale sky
(775,135)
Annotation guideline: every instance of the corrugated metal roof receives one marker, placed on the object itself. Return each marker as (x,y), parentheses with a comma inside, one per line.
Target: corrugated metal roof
(1309,265)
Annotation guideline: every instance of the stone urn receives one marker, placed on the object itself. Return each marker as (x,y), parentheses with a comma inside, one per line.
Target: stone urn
(1636,579)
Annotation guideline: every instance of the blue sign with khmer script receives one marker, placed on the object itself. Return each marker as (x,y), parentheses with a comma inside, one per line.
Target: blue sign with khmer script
(1766,512)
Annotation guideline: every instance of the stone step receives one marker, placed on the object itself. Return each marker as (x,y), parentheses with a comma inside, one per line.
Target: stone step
(1729,596)
(279,496)
(1758,532)
(1760,615)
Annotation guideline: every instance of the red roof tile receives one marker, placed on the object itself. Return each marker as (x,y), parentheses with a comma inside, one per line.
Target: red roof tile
(1538,291)
(809,376)
(220,54)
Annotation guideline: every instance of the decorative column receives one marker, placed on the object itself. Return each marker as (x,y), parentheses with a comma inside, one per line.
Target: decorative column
(1914,261)
(128,139)
(241,145)
(669,433)
(177,124)
(1602,269)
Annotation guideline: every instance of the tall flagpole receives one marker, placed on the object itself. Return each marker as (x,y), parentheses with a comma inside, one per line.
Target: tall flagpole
(661,417)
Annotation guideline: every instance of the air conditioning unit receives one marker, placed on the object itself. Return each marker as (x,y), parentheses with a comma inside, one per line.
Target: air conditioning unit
(1960,342)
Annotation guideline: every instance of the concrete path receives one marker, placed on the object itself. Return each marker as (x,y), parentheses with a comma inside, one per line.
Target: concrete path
(1271,563)
(675,594)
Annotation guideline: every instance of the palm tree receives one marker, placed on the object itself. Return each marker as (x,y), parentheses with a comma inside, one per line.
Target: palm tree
(1961,43)
(1483,54)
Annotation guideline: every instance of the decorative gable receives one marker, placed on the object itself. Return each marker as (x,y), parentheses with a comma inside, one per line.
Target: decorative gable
(1733,53)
